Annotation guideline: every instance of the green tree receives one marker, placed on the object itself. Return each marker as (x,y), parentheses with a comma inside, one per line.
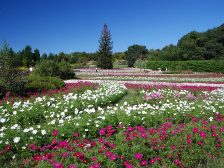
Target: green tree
(10,78)
(105,49)
(134,53)
(36,56)
(44,56)
(27,56)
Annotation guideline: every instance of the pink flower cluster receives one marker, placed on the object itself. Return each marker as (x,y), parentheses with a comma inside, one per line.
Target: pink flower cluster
(152,86)
(162,145)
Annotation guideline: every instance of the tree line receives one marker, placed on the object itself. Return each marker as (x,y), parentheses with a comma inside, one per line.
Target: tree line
(195,45)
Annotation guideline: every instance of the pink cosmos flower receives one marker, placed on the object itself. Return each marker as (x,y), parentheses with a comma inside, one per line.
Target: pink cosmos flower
(143,163)
(72,166)
(138,156)
(64,154)
(195,130)
(203,134)
(113,157)
(58,165)
(93,159)
(33,147)
(95,166)
(201,143)
(37,157)
(55,132)
(102,131)
(177,162)
(112,146)
(76,134)
(152,161)
(108,153)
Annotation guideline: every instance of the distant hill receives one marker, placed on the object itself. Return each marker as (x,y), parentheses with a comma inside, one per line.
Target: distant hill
(194,46)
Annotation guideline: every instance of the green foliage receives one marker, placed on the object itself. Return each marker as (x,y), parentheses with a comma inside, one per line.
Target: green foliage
(44,56)
(41,83)
(65,70)
(135,52)
(140,64)
(169,53)
(194,46)
(47,68)
(27,56)
(196,66)
(36,56)
(119,56)
(10,78)
(105,49)
(54,69)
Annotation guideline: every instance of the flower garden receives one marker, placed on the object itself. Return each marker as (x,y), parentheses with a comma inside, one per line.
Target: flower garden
(116,122)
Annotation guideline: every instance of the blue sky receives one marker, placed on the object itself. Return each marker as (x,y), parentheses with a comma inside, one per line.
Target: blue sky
(75,25)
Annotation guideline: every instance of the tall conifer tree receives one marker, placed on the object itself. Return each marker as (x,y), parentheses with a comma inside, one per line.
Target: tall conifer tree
(105,49)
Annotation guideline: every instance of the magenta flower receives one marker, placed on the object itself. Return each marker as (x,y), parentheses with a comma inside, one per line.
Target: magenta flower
(72,166)
(143,163)
(58,165)
(177,162)
(76,134)
(113,157)
(55,132)
(112,146)
(102,131)
(95,166)
(108,153)
(128,165)
(201,143)
(33,147)
(152,161)
(138,156)
(195,130)
(64,154)
(203,134)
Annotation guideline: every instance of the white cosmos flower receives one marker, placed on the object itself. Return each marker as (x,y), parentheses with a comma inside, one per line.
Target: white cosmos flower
(43,132)
(210,118)
(14,126)
(34,132)
(26,130)
(16,139)
(2,120)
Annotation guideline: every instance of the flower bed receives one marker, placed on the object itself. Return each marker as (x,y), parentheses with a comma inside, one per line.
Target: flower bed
(162,127)
(161,79)
(167,145)
(64,90)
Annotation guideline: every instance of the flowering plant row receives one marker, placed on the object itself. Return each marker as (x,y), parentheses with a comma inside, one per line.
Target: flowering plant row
(66,130)
(31,121)
(167,145)
(160,79)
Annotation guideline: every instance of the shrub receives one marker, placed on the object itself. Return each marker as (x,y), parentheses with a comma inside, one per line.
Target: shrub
(65,70)
(140,64)
(47,68)
(54,69)
(39,83)
(10,76)
(196,66)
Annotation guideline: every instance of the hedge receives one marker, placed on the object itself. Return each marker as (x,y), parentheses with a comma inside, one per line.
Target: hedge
(196,66)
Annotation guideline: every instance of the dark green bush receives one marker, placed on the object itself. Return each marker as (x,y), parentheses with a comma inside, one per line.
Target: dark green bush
(10,75)
(196,66)
(65,70)
(40,83)
(54,69)
(47,68)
